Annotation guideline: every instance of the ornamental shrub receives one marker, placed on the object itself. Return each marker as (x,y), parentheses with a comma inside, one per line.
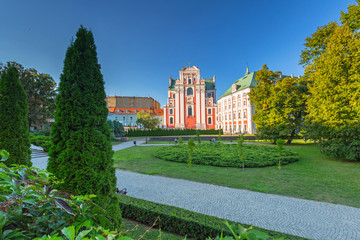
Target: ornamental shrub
(81,151)
(183,222)
(227,155)
(14,126)
(169,132)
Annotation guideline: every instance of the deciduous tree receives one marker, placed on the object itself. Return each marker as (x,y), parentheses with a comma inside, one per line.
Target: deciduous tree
(14,127)
(81,151)
(334,105)
(279,105)
(147,120)
(41,92)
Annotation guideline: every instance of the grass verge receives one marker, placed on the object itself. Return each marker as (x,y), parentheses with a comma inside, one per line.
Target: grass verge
(315,176)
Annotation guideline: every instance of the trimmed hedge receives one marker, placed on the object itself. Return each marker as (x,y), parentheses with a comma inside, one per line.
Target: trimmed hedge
(181,221)
(169,132)
(41,141)
(226,155)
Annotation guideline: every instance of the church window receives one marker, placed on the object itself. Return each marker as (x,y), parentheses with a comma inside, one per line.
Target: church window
(209,111)
(189,92)
(209,120)
(171,120)
(189,81)
(171,111)
(189,111)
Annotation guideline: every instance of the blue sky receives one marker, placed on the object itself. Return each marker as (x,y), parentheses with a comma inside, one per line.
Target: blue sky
(142,43)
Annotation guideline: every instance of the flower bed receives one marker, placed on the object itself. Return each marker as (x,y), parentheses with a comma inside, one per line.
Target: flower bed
(226,155)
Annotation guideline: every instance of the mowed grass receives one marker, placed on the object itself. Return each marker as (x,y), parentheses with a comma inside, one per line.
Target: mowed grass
(136,230)
(315,176)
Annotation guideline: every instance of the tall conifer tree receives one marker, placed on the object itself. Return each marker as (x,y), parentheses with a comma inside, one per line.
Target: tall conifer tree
(14,127)
(81,152)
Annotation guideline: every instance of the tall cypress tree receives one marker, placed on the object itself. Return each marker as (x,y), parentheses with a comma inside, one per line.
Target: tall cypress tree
(81,152)
(14,127)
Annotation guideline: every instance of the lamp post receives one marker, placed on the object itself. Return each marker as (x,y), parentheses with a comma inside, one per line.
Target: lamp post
(145,135)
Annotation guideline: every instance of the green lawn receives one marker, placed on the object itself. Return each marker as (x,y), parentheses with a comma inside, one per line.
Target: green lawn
(135,230)
(314,176)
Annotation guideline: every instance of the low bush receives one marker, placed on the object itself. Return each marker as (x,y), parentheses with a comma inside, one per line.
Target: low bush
(226,155)
(41,141)
(170,132)
(30,207)
(184,222)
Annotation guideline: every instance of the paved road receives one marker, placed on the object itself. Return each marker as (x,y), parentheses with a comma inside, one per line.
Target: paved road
(310,219)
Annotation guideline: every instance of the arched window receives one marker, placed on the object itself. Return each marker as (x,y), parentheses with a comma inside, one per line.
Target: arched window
(209,121)
(171,120)
(189,81)
(189,111)
(189,92)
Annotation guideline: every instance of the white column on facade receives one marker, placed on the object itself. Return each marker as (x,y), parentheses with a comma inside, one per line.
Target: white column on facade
(203,104)
(177,107)
(165,116)
(197,87)
(182,107)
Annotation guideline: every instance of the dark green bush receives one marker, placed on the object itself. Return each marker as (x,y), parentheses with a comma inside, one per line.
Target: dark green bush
(169,132)
(181,221)
(226,155)
(30,207)
(81,152)
(14,125)
(41,141)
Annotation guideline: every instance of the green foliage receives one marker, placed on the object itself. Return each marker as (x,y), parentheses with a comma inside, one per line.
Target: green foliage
(116,128)
(180,141)
(240,145)
(219,135)
(352,17)
(184,222)
(226,155)
(191,146)
(81,151)
(316,44)
(241,233)
(198,136)
(169,132)
(14,126)
(41,91)
(30,207)
(41,141)
(334,109)
(280,105)
(147,120)
(280,146)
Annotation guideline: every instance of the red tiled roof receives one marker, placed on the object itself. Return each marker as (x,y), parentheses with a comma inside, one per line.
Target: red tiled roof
(156,112)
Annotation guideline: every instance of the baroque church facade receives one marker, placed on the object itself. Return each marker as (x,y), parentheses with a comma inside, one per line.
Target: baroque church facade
(191,102)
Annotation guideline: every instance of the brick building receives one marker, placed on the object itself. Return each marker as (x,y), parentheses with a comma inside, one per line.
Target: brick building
(132,102)
(191,101)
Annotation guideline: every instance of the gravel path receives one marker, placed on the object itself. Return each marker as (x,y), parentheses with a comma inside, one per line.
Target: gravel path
(305,218)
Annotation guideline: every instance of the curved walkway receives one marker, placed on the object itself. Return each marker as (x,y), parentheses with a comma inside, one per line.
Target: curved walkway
(305,218)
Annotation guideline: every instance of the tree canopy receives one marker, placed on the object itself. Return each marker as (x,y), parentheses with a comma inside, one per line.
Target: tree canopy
(41,92)
(14,126)
(279,105)
(147,120)
(334,82)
